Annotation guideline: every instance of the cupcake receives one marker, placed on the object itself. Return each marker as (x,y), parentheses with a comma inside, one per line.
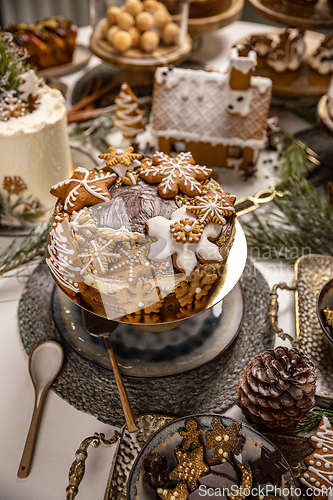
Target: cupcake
(299,8)
(262,45)
(286,57)
(321,63)
(140,239)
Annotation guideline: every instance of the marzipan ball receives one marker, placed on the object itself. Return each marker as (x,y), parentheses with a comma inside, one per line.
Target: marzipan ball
(112,13)
(171,34)
(111,32)
(133,7)
(151,5)
(149,41)
(144,21)
(122,41)
(135,34)
(162,18)
(104,29)
(125,20)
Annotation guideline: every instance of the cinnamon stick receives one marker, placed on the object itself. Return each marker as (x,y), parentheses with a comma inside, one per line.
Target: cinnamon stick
(94,97)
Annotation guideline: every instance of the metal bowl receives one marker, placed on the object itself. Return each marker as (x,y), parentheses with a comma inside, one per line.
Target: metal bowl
(324,299)
(167,438)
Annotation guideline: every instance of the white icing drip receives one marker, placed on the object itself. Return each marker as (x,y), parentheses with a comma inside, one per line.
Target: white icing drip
(234,162)
(125,121)
(60,259)
(184,77)
(132,260)
(121,169)
(87,184)
(242,64)
(176,168)
(166,246)
(263,84)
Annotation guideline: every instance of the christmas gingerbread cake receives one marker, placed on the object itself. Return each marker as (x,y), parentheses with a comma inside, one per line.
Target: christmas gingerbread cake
(140,239)
(33,132)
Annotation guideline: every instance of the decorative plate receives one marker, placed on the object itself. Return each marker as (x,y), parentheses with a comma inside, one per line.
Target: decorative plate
(166,439)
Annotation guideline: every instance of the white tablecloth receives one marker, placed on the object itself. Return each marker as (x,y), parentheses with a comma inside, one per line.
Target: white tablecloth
(63,427)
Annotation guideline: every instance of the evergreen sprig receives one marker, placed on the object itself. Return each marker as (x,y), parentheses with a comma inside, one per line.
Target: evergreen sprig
(299,222)
(12,64)
(27,250)
(311,423)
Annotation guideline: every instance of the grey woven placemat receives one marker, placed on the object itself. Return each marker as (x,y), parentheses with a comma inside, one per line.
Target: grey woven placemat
(92,389)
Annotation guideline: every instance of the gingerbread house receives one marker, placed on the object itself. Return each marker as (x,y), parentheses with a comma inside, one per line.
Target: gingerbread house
(220,118)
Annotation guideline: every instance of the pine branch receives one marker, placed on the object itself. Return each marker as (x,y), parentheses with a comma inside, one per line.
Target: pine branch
(301,221)
(21,252)
(312,421)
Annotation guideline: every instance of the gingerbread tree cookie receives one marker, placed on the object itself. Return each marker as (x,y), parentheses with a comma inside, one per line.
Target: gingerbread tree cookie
(223,440)
(128,115)
(319,475)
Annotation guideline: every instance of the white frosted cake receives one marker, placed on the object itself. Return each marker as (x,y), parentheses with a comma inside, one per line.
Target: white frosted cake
(35,146)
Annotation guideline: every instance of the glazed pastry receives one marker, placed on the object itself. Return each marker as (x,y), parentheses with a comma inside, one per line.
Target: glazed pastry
(321,63)
(262,45)
(285,59)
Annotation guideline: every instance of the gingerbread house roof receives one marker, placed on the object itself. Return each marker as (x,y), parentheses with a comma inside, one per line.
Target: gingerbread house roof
(200,106)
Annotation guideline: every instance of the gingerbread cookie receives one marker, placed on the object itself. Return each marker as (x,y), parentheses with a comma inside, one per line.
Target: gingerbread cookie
(83,189)
(191,466)
(213,207)
(190,434)
(175,174)
(196,287)
(224,441)
(180,492)
(319,476)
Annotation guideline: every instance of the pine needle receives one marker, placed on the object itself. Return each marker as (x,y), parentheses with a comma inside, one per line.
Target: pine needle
(311,423)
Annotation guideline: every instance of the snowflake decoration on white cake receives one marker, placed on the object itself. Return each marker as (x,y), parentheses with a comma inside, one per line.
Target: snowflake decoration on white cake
(29,84)
(174,174)
(97,257)
(186,253)
(84,188)
(212,208)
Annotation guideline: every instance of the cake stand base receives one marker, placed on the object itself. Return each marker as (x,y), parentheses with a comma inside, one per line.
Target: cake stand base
(92,389)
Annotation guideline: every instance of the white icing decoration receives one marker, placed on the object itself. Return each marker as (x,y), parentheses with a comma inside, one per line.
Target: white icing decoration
(186,252)
(132,260)
(322,62)
(95,256)
(262,84)
(198,290)
(324,440)
(211,207)
(87,184)
(311,462)
(242,64)
(288,57)
(29,85)
(318,464)
(238,101)
(125,122)
(306,476)
(59,260)
(179,165)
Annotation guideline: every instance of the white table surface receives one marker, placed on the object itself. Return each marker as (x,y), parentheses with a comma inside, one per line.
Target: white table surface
(63,427)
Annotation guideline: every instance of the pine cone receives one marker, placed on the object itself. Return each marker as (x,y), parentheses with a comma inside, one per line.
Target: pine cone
(277,389)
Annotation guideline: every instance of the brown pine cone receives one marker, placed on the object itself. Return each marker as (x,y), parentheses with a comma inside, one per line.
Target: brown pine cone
(277,389)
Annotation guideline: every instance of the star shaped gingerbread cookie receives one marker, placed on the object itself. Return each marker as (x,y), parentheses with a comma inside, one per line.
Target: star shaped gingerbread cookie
(84,188)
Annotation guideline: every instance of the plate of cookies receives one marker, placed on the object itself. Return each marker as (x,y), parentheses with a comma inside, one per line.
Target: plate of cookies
(210,455)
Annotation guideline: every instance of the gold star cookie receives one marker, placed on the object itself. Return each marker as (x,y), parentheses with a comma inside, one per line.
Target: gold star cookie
(180,492)
(123,156)
(190,466)
(190,434)
(84,188)
(223,440)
